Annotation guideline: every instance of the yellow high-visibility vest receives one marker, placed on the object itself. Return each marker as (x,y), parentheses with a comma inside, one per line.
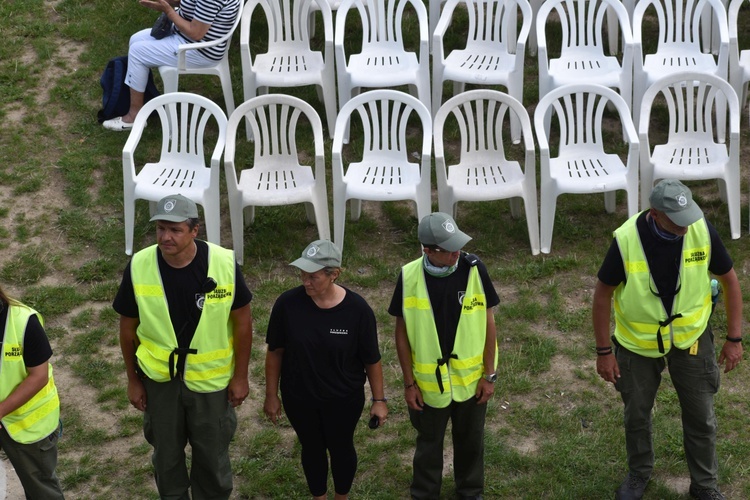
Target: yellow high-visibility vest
(39,416)
(210,365)
(455,377)
(641,323)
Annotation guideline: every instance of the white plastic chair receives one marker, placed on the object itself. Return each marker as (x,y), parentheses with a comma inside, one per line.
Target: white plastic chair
(384,172)
(679,45)
(290,61)
(483,172)
(383,61)
(692,151)
(170,74)
(582,165)
(181,168)
(582,57)
(739,60)
(489,58)
(275,176)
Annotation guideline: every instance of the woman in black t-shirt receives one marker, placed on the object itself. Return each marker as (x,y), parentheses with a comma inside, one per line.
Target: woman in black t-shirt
(322,344)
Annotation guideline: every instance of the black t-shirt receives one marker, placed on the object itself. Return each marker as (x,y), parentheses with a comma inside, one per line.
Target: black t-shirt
(325,350)
(183,288)
(446,294)
(663,259)
(36,348)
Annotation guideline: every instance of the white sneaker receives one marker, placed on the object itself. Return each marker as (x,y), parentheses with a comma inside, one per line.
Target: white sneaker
(117,124)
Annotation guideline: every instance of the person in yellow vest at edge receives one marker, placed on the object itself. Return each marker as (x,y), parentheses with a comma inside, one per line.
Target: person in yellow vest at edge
(657,270)
(29,405)
(447,348)
(186,335)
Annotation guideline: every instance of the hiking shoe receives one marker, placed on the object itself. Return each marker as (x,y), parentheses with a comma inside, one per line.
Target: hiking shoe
(632,488)
(705,493)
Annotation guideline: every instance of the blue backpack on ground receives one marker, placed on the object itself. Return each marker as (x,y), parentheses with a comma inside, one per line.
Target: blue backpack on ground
(115,94)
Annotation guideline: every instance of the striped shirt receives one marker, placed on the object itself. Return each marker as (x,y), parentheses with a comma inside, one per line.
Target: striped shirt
(219,14)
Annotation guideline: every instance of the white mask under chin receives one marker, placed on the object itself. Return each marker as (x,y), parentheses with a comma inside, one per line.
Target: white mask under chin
(438,272)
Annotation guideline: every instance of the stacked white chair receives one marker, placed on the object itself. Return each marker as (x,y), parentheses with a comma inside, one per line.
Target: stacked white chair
(383,172)
(274,176)
(383,61)
(692,150)
(582,56)
(181,167)
(289,61)
(679,45)
(582,165)
(489,57)
(170,74)
(483,172)
(739,60)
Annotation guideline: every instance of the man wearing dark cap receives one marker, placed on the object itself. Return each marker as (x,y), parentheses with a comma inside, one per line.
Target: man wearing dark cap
(657,270)
(185,335)
(446,344)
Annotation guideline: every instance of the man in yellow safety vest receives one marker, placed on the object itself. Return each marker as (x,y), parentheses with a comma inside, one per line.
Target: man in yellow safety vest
(446,345)
(186,335)
(657,271)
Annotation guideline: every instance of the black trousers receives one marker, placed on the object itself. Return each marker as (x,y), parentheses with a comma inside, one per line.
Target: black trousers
(326,427)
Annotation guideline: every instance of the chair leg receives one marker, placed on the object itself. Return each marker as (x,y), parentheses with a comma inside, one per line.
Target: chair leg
(238,230)
(129,216)
(170,78)
(610,201)
(339,218)
(321,219)
(310,212)
(733,205)
(226,86)
(213,222)
(532,221)
(355,207)
(548,205)
(249,212)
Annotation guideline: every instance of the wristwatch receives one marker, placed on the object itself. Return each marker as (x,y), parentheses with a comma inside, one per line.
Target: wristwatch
(491,378)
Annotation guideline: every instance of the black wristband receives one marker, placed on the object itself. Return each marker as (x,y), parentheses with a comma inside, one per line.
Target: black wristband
(409,386)
(382,400)
(736,340)
(603,352)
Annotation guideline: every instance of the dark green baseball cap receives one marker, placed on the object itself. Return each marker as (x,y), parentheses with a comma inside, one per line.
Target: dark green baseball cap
(175,208)
(318,255)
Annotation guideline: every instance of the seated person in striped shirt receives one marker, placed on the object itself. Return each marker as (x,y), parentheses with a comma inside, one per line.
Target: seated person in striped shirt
(195,21)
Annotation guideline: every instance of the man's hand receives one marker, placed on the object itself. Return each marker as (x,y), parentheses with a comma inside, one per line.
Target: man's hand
(607,368)
(413,398)
(238,390)
(272,407)
(137,394)
(485,390)
(731,353)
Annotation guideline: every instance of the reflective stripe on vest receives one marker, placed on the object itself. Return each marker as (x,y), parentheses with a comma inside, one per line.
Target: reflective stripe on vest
(210,364)
(641,323)
(454,377)
(39,416)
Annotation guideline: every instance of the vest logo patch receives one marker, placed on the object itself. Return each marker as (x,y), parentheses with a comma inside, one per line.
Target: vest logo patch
(339,331)
(696,256)
(14,352)
(199,300)
(219,293)
(461,296)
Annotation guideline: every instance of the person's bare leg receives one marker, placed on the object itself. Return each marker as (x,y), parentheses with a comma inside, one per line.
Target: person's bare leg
(136,103)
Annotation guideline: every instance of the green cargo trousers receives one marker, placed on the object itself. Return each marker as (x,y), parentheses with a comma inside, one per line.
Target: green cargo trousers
(174,416)
(696,380)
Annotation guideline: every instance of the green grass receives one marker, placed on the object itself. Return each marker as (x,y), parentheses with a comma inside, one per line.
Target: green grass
(553,429)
